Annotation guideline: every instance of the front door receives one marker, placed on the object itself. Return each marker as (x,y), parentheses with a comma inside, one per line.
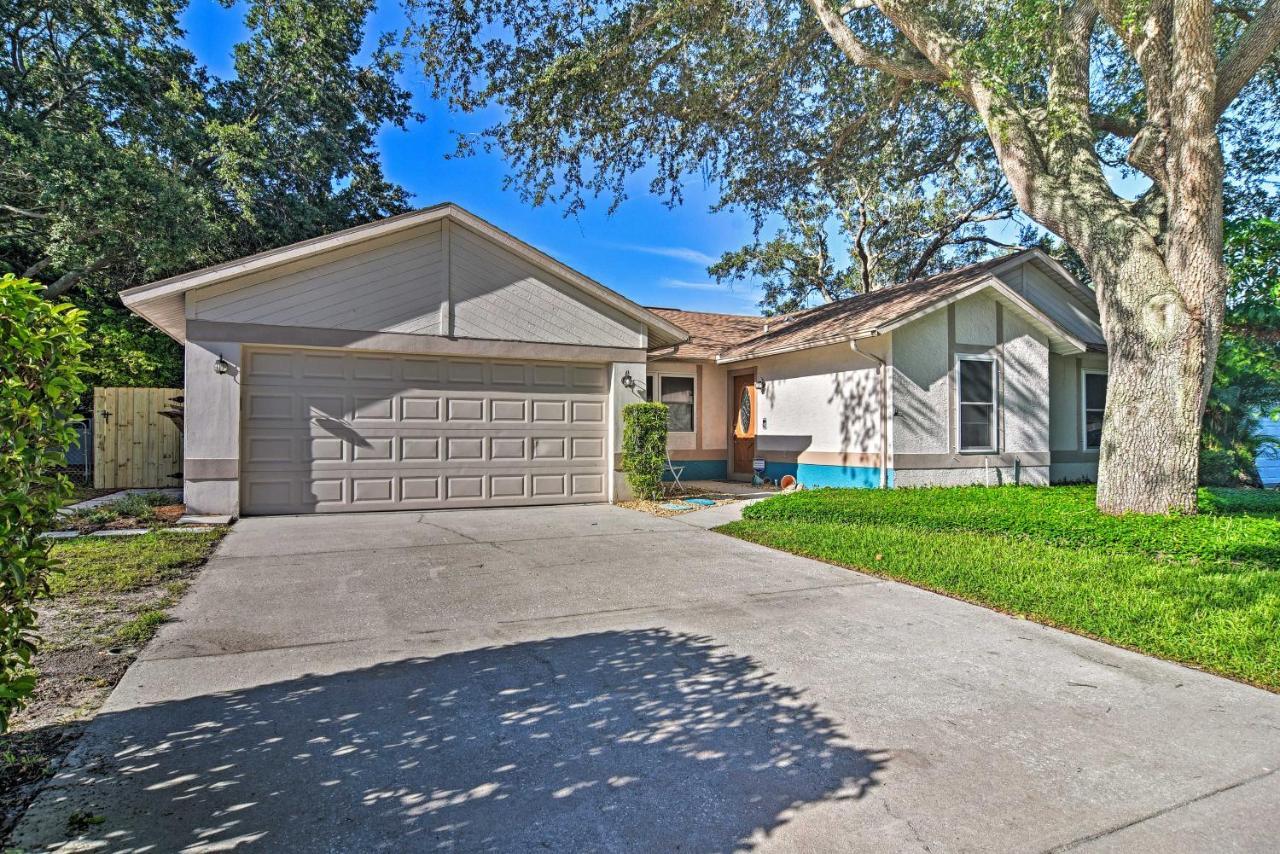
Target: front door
(744,423)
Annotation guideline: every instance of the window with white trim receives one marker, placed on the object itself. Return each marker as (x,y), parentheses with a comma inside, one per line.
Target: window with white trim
(976,400)
(1093,403)
(677,392)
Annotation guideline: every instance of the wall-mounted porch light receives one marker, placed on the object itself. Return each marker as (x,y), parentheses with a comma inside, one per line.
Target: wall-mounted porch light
(221,366)
(628,381)
(759,384)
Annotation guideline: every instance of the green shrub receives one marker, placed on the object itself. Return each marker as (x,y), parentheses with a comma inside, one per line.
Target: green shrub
(644,447)
(40,348)
(138,505)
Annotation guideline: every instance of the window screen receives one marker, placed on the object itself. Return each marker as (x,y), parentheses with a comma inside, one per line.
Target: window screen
(1095,401)
(677,394)
(977,387)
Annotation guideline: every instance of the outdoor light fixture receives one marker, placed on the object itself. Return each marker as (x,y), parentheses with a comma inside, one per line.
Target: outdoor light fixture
(759,385)
(221,366)
(628,381)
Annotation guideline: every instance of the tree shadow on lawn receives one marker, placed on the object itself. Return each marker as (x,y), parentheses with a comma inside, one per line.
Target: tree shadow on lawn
(622,740)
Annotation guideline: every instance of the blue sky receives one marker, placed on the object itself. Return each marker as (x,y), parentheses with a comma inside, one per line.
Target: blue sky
(652,254)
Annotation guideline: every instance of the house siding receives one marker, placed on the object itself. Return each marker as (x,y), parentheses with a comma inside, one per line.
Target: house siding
(395,284)
(924,395)
(1055,301)
(441,279)
(496,294)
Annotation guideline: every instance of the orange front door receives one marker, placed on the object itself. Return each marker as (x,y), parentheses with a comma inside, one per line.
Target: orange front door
(744,423)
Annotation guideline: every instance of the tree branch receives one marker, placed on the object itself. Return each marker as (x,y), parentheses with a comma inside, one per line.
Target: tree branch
(1121,126)
(23,212)
(859,54)
(1256,44)
(69,279)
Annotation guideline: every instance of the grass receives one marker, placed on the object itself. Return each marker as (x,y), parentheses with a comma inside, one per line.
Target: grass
(105,605)
(124,564)
(141,628)
(1204,590)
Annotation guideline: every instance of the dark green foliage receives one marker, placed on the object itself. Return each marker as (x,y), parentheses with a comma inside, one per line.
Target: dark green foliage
(1201,589)
(125,161)
(40,365)
(1246,378)
(644,447)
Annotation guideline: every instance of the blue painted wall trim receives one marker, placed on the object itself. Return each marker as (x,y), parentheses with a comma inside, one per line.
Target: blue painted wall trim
(812,476)
(700,470)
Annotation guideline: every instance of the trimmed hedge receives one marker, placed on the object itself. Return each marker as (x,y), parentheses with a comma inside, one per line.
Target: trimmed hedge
(644,447)
(40,387)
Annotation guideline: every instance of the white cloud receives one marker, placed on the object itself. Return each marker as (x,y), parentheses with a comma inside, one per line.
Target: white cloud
(694,286)
(680,253)
(749,295)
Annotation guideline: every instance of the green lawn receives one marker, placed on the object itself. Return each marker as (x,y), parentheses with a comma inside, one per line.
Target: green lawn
(125,564)
(1203,589)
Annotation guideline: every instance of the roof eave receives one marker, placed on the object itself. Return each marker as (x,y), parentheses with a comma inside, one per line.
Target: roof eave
(1066,343)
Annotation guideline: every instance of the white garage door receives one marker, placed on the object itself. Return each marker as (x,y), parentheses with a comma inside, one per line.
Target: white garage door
(328,431)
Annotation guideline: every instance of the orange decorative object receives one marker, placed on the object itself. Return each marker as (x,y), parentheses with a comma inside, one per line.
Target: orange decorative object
(787,482)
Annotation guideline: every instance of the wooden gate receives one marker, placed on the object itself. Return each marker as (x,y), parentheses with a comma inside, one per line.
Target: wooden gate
(133,444)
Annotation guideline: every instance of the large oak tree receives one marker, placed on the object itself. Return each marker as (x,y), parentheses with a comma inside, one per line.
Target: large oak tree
(763,96)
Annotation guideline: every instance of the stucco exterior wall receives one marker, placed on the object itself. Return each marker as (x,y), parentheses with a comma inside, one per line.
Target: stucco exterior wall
(211,431)
(1070,461)
(921,365)
(703,451)
(924,438)
(824,400)
(819,416)
(619,397)
(1025,383)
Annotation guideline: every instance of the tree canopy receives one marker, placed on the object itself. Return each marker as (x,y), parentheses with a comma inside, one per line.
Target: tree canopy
(123,160)
(780,101)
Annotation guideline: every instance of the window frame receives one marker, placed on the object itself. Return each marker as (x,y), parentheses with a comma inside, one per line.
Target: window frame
(653,393)
(1084,406)
(994,446)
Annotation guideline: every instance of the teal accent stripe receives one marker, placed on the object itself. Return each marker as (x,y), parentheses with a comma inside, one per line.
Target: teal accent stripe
(812,476)
(700,470)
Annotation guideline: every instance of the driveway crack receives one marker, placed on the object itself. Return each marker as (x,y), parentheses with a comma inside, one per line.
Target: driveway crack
(1101,834)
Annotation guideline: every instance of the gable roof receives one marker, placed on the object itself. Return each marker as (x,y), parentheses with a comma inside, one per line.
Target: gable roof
(882,311)
(710,333)
(162,303)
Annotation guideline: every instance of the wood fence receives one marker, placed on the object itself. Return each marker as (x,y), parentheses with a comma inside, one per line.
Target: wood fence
(133,444)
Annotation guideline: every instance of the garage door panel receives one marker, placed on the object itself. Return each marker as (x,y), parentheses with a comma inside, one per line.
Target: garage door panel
(415,407)
(327,432)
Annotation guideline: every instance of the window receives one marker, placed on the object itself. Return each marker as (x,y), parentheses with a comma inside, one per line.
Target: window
(1094,395)
(976,381)
(677,393)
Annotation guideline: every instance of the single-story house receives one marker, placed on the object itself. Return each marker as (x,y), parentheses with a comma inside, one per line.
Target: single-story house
(431,360)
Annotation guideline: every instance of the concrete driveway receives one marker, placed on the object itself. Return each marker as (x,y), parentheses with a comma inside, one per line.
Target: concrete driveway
(590,678)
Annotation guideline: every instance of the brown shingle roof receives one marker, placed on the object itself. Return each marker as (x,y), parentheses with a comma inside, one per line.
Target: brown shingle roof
(862,313)
(709,333)
(736,336)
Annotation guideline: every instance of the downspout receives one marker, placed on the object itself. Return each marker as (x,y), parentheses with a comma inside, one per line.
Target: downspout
(884,413)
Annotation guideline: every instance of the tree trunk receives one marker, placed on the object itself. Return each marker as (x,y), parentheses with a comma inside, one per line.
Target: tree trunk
(1160,353)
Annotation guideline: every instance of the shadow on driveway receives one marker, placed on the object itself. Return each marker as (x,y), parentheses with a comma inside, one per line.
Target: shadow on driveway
(642,739)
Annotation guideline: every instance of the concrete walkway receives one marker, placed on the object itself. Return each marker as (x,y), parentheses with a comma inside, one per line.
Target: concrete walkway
(591,678)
